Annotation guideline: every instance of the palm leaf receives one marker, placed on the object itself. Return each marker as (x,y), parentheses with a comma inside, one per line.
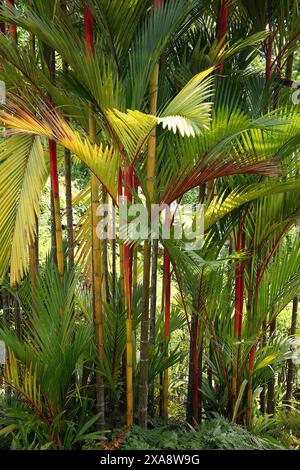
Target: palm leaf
(23,175)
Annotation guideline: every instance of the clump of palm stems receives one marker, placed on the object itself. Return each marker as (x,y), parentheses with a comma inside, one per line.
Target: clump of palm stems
(151,102)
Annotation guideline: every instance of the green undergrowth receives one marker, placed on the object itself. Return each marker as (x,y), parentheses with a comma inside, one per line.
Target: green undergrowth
(214,434)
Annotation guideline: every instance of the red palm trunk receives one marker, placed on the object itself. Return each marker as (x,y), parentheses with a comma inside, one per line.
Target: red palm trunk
(237,292)
(269,58)
(88,29)
(222,26)
(239,286)
(269,44)
(167,278)
(56,205)
(57,219)
(252,359)
(223,18)
(13,27)
(53,169)
(2,24)
(238,310)
(96,244)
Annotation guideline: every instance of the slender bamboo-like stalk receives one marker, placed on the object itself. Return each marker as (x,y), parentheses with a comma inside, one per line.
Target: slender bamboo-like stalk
(114,261)
(269,44)
(189,402)
(96,243)
(97,281)
(88,31)
(6,320)
(69,207)
(291,366)
(121,248)
(153,95)
(34,242)
(106,294)
(153,293)
(135,249)
(32,42)
(194,401)
(12,27)
(135,266)
(49,61)
(262,397)
(68,194)
(128,181)
(222,26)
(200,379)
(4,293)
(223,18)
(56,206)
(289,67)
(17,313)
(167,287)
(195,394)
(143,404)
(56,226)
(238,310)
(2,23)
(123,302)
(239,286)
(196,360)
(16,307)
(271,384)
(153,299)
(162,309)
(53,237)
(250,386)
(34,263)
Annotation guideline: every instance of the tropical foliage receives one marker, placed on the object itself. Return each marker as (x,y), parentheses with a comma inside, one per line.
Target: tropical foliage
(150,102)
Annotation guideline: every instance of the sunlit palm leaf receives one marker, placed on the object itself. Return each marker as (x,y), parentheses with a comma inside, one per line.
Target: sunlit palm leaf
(225,203)
(102,161)
(190,111)
(22,177)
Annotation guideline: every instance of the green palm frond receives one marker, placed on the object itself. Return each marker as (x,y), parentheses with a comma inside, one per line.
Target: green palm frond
(280,282)
(131,129)
(118,23)
(23,175)
(190,110)
(103,161)
(148,45)
(226,203)
(54,342)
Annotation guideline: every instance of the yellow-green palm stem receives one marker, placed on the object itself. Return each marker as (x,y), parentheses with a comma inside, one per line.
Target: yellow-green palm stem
(143,406)
(122,279)
(58,237)
(153,90)
(33,264)
(135,266)
(165,384)
(129,372)
(249,414)
(56,208)
(97,278)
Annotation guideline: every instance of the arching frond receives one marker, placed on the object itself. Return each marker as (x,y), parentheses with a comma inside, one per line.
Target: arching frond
(23,175)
